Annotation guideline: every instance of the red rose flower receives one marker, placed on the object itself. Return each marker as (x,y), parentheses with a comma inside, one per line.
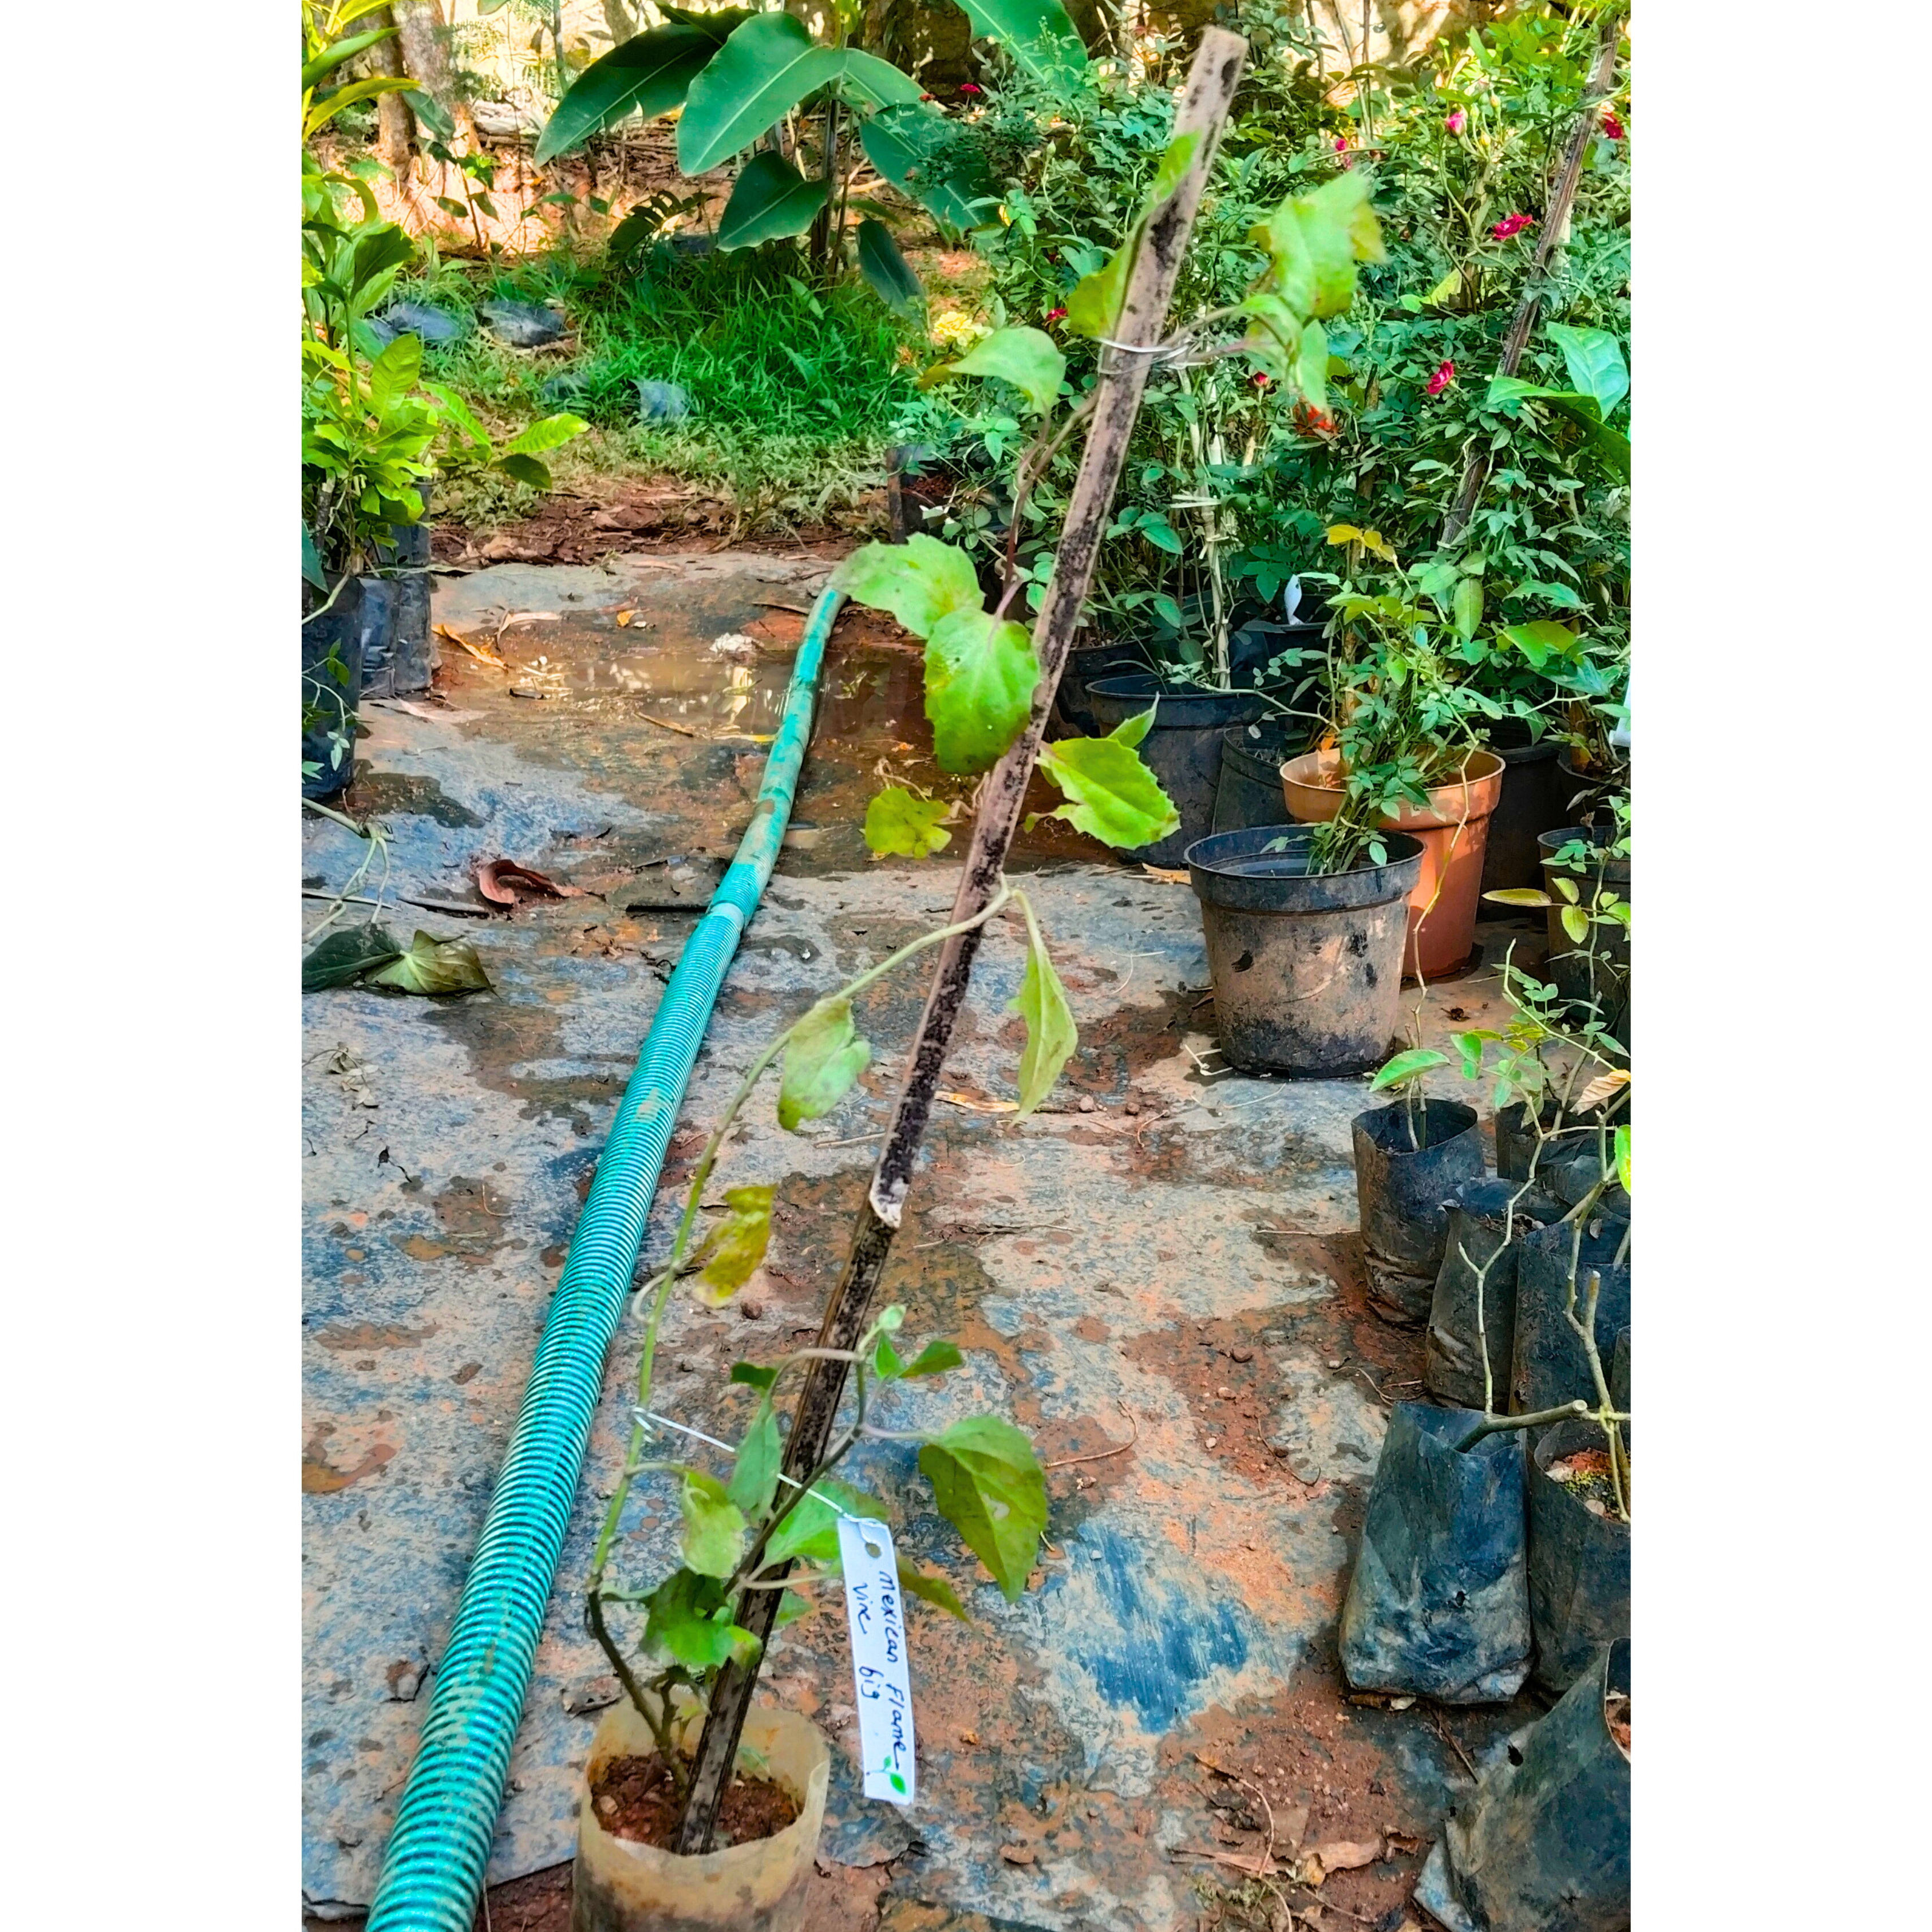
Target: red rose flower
(1456,122)
(1441,380)
(967,87)
(1512,224)
(1054,314)
(1341,144)
(1261,379)
(1613,127)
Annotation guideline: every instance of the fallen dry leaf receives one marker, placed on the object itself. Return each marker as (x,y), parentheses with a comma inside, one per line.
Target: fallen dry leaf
(503,882)
(1402,1842)
(1345,1855)
(481,652)
(624,617)
(1167,874)
(973,1104)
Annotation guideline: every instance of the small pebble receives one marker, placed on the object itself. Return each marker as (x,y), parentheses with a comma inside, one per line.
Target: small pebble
(1336,1363)
(1240,1354)
(685,1365)
(751,1307)
(1211,1441)
(1086,1103)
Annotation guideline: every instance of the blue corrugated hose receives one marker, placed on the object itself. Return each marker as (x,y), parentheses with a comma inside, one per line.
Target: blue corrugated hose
(432,1871)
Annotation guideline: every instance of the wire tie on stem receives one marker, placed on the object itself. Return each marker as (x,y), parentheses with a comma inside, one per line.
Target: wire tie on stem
(644,1418)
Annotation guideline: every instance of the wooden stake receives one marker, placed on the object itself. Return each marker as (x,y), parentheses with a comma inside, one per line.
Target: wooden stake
(1556,219)
(1204,109)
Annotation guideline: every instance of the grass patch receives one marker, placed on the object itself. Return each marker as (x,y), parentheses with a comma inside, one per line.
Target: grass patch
(794,390)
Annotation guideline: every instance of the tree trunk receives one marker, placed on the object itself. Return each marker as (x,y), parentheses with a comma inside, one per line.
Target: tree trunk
(420,27)
(395,125)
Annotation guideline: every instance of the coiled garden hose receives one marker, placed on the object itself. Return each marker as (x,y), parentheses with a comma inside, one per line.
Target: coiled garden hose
(433,1869)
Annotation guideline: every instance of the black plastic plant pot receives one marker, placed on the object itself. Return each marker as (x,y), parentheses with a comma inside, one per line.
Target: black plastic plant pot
(1403,1188)
(1542,1844)
(1085,663)
(331,668)
(1439,1604)
(379,634)
(1486,1220)
(1182,748)
(1249,792)
(1516,1152)
(404,571)
(1574,1173)
(1579,1563)
(1307,971)
(1548,1365)
(1532,802)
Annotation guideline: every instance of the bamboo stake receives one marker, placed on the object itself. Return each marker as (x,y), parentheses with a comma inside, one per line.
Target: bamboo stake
(1555,220)
(1204,106)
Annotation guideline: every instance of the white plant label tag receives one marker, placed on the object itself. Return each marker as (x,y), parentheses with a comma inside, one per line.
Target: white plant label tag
(875,1614)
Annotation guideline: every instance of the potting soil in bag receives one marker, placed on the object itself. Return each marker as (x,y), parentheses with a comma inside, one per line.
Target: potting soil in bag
(1439,1604)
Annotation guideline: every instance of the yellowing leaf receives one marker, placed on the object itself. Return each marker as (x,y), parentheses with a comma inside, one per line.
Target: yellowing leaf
(737,1245)
(435,966)
(1051,1035)
(714,1525)
(899,821)
(823,1057)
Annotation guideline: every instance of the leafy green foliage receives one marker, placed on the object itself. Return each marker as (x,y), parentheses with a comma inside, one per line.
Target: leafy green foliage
(736,1245)
(897,821)
(770,64)
(755,1474)
(919,581)
(822,1057)
(1111,794)
(688,1623)
(886,271)
(1040,35)
(932,159)
(1051,1035)
(930,1588)
(647,75)
(980,677)
(989,1484)
(1026,358)
(1093,306)
(770,199)
(1407,1068)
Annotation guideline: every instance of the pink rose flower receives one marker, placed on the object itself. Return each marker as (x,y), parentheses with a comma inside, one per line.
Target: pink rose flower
(1441,380)
(1341,144)
(967,87)
(1261,379)
(1054,314)
(1512,224)
(1456,122)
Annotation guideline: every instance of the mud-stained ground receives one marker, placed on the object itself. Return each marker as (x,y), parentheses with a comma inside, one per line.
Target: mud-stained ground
(1157,1275)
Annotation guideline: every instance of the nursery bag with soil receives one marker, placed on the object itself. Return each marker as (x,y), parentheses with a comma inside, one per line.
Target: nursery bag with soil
(1438,1606)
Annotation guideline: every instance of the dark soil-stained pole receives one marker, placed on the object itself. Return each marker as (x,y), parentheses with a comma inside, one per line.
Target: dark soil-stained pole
(1204,106)
(1556,218)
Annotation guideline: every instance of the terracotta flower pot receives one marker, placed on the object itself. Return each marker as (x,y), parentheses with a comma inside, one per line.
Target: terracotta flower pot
(1452,830)
(619,1885)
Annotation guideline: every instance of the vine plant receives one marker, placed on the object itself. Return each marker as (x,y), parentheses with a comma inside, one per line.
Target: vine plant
(987,687)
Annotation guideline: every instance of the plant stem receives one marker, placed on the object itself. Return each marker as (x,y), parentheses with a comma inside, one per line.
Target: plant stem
(1556,218)
(1492,1425)
(1204,108)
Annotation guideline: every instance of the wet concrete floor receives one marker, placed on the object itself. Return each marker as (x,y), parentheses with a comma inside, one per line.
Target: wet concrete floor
(1157,1275)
